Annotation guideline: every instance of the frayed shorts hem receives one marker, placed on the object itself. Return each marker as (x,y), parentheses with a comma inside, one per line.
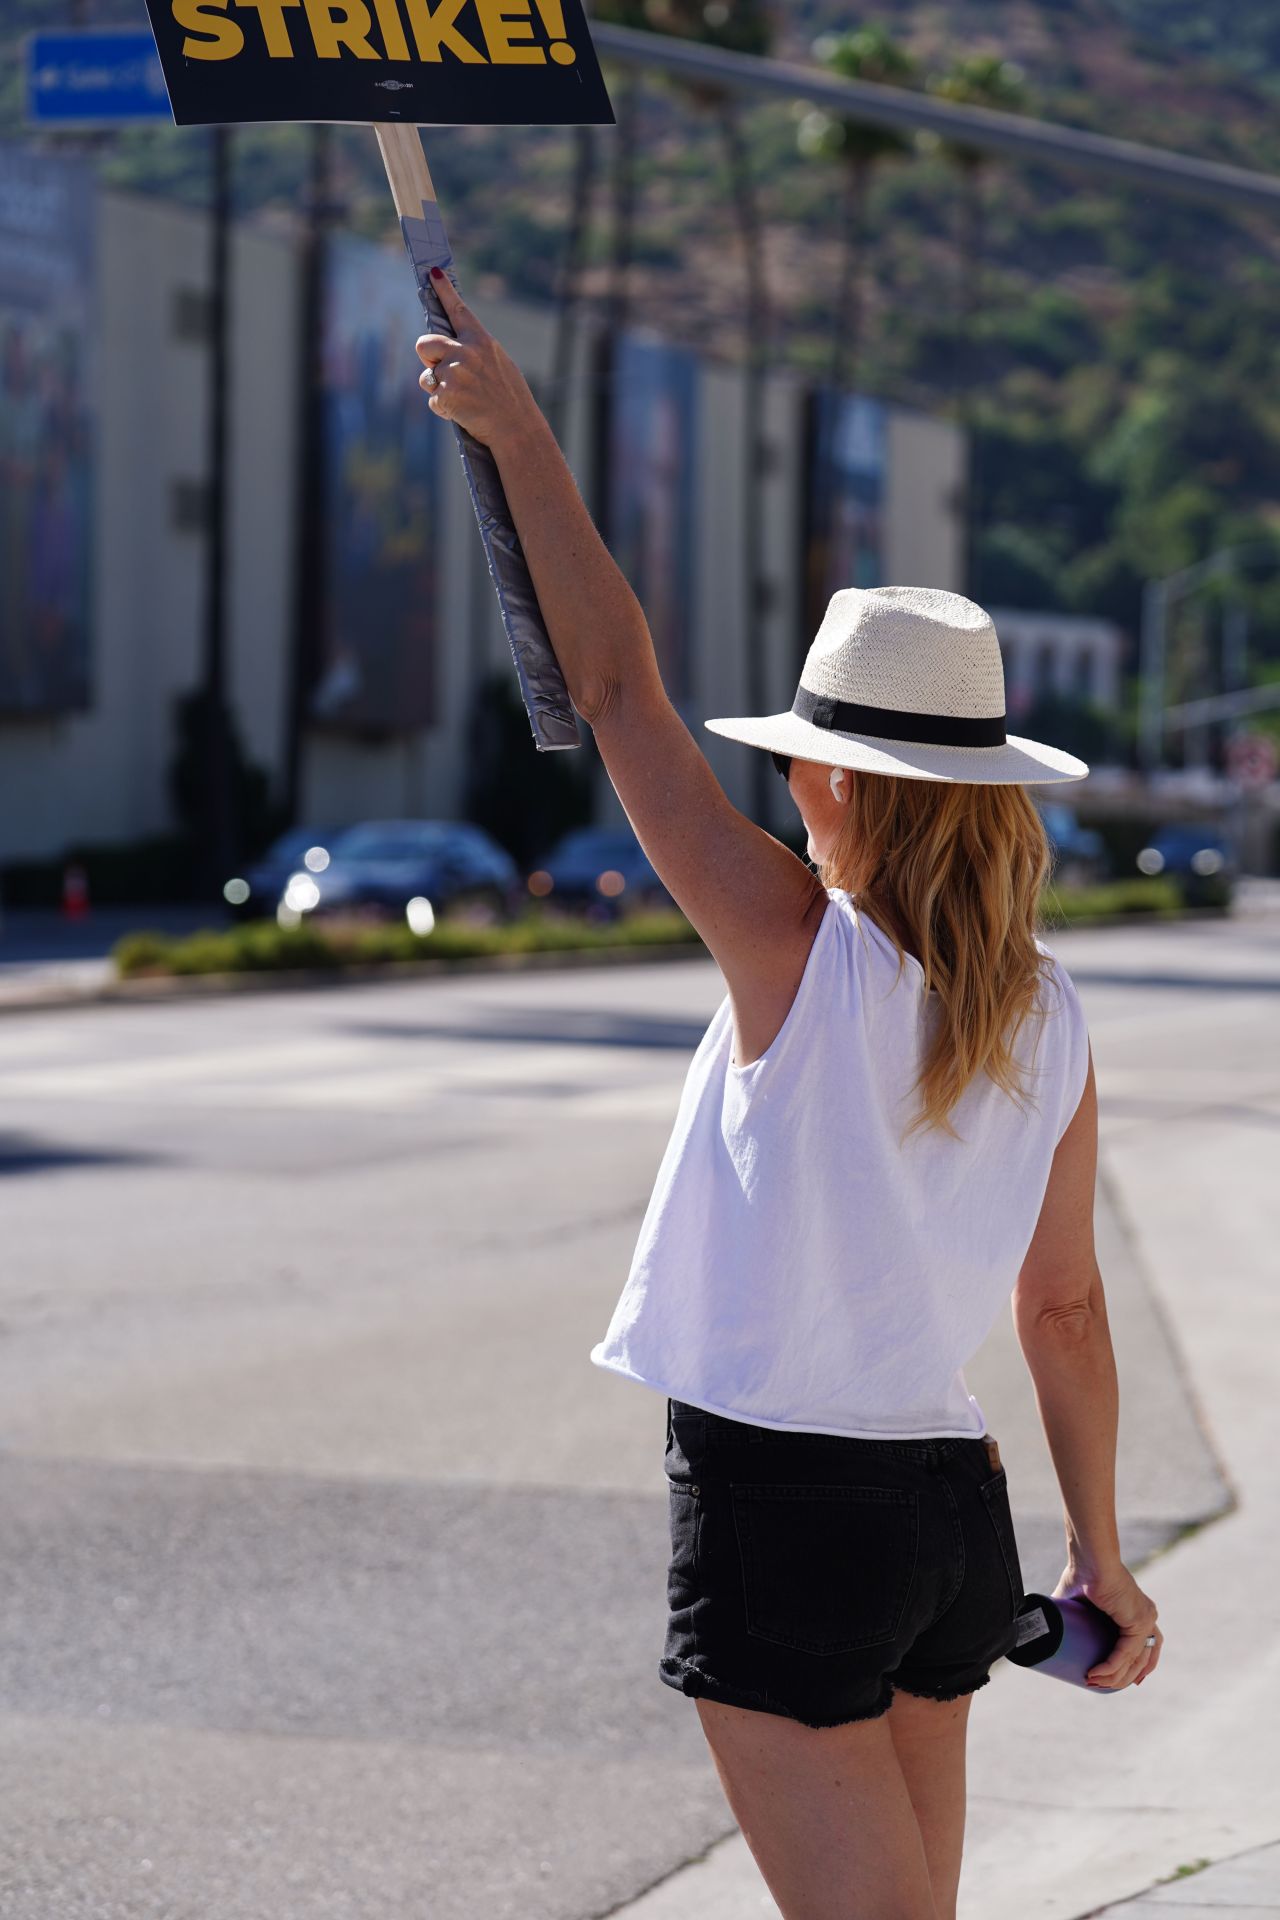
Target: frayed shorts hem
(683,1678)
(926,1692)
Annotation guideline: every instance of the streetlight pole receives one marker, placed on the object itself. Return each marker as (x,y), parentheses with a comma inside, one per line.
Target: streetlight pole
(1151,671)
(1235,656)
(1157,598)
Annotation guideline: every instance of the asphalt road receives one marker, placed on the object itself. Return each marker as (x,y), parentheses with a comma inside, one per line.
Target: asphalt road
(334,1572)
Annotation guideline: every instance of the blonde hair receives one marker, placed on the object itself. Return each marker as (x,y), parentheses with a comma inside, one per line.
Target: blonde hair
(953,874)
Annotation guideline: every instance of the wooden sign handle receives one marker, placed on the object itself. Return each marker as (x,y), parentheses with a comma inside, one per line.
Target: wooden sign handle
(408,175)
(542,685)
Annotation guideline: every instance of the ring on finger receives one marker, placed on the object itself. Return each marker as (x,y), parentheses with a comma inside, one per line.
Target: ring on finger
(431,379)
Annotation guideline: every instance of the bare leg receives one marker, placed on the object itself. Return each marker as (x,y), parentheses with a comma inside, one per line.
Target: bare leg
(929,1736)
(825,1812)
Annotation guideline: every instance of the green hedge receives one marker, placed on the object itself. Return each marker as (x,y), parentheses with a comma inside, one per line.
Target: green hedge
(260,946)
(1112,899)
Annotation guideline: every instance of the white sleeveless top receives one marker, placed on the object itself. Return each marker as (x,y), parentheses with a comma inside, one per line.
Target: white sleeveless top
(802,1266)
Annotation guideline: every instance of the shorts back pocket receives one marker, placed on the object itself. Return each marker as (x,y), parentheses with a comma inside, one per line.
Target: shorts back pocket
(825,1569)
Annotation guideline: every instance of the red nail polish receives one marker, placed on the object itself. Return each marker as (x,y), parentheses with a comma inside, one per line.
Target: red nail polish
(437,273)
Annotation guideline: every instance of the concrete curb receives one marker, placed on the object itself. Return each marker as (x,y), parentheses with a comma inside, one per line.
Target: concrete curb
(61,994)
(1244,1883)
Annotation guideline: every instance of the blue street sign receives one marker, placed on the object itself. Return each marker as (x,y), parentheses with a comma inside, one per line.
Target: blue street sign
(94,77)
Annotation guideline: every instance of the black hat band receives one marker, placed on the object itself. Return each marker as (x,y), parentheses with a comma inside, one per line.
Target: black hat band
(889,723)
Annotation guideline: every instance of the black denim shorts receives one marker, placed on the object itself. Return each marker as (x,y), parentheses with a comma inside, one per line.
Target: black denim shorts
(811,1573)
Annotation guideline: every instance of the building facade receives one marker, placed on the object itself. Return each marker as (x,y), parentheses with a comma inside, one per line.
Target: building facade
(1065,655)
(97,771)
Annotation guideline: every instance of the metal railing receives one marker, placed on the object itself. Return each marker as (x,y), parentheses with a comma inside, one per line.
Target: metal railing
(1019,136)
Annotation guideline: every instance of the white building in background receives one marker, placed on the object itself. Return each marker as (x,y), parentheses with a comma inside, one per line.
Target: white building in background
(1067,654)
(99,775)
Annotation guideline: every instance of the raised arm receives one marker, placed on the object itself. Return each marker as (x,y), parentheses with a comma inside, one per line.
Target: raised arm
(595,622)
(755,904)
(1060,1315)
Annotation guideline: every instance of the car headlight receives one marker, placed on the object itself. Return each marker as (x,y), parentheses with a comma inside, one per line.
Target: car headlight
(301,894)
(1208,860)
(1151,860)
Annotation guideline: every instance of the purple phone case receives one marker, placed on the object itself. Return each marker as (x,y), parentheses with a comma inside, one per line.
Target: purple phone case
(1063,1637)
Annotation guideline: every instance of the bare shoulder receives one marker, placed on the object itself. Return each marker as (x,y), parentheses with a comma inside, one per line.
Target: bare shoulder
(755,903)
(763,990)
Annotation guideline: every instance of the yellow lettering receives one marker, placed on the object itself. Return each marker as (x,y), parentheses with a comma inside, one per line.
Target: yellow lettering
(507,29)
(435,30)
(338,24)
(553,20)
(274,30)
(225,37)
(393,40)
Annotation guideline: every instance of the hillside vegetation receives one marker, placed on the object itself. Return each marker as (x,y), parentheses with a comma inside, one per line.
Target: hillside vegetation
(1120,370)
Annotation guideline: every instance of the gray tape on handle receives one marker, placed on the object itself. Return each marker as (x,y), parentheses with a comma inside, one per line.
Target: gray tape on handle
(542,685)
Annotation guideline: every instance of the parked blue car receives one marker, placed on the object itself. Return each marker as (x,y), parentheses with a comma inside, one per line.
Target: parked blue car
(603,870)
(1198,856)
(382,865)
(1079,854)
(255,894)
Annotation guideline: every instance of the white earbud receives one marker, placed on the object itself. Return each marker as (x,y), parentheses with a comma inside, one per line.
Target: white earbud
(837,778)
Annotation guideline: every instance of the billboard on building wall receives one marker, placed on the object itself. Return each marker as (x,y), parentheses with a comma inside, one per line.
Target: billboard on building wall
(653,505)
(47,299)
(378,664)
(845,482)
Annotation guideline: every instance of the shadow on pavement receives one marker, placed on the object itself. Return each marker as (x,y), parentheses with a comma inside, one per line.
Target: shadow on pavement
(542,1026)
(1086,976)
(22,1153)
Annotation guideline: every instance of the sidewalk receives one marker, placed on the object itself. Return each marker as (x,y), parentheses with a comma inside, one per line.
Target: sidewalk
(1247,1885)
(1077,1806)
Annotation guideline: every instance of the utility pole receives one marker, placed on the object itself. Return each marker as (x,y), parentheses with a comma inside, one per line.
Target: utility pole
(758,324)
(602,388)
(309,597)
(217,851)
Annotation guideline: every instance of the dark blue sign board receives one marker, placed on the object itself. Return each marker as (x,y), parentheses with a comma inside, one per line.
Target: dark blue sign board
(418,62)
(94,77)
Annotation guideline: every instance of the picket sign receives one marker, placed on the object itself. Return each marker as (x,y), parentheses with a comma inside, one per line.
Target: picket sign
(399,65)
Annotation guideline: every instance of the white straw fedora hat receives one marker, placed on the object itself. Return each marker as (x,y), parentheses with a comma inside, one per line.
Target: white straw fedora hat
(905,680)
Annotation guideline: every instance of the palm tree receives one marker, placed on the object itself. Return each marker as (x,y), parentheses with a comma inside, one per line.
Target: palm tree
(625,92)
(736,26)
(741,26)
(974,80)
(581,183)
(871,54)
